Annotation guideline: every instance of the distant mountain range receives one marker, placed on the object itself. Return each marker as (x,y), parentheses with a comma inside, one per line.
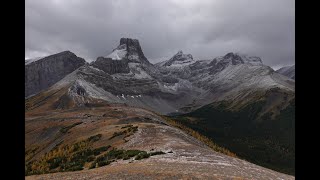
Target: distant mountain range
(288,71)
(235,92)
(126,76)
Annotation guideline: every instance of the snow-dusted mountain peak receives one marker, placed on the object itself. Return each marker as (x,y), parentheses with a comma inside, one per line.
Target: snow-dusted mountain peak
(180,59)
(129,49)
(118,53)
(237,58)
(233,58)
(254,60)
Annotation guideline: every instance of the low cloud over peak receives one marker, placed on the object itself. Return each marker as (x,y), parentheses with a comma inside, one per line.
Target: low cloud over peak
(205,29)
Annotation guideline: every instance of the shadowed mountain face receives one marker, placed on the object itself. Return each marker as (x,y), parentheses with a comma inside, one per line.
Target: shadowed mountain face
(42,73)
(110,66)
(288,71)
(224,92)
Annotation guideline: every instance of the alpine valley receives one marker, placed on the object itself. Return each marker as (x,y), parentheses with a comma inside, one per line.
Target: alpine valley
(122,117)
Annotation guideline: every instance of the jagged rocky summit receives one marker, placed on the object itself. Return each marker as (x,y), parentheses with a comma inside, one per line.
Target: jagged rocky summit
(129,49)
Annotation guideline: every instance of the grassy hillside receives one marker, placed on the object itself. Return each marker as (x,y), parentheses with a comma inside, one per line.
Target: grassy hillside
(80,155)
(266,141)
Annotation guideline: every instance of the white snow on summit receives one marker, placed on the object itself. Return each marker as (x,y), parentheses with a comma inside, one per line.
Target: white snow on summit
(118,53)
(178,60)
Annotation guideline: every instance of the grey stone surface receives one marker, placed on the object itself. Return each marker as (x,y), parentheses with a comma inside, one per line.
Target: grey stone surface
(43,73)
(110,66)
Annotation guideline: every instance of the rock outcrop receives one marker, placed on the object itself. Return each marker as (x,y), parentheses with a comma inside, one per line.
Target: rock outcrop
(46,71)
(180,59)
(129,49)
(110,66)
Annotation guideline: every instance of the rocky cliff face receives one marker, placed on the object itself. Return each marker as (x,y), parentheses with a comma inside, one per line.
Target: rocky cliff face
(110,66)
(128,52)
(44,72)
(288,71)
(129,49)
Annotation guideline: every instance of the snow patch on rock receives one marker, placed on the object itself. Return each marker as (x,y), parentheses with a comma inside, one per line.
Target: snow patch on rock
(119,53)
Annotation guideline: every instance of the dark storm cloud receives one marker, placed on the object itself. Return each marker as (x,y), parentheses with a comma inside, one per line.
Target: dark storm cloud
(206,28)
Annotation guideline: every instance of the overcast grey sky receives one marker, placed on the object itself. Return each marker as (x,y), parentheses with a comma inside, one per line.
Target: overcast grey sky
(205,29)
